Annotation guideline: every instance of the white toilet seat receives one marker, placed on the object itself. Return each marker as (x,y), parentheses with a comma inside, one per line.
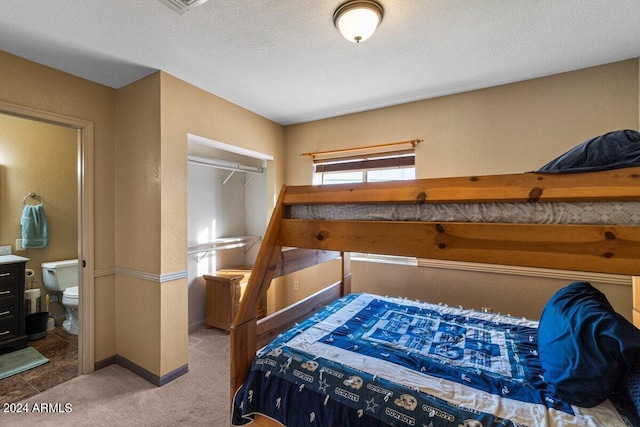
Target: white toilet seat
(62,276)
(70,302)
(70,296)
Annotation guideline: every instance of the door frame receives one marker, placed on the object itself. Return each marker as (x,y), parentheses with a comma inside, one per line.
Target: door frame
(85,138)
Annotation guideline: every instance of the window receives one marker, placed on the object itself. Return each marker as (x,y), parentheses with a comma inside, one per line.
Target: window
(393,166)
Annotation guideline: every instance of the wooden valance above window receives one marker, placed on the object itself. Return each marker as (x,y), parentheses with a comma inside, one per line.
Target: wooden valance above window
(388,159)
(345,151)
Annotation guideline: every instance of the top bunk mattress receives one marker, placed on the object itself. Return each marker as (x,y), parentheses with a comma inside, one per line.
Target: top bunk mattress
(605,213)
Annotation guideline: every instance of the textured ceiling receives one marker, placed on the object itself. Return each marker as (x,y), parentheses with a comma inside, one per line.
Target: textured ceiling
(284,60)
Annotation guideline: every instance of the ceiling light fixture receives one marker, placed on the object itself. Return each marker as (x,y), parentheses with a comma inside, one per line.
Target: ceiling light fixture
(182,6)
(358,19)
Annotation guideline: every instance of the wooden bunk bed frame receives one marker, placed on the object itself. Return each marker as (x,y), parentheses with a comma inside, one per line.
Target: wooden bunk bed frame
(597,248)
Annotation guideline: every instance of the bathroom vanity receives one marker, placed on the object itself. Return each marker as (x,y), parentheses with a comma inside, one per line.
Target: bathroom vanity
(12,315)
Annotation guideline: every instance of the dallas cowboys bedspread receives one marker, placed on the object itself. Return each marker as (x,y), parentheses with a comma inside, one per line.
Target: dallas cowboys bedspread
(381,361)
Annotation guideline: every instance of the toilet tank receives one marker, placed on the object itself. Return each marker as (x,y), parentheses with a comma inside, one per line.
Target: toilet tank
(60,275)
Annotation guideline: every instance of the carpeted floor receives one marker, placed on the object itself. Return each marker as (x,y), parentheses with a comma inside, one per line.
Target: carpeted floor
(116,397)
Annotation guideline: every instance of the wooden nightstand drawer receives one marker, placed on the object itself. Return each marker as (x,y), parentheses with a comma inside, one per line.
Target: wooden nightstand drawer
(224,292)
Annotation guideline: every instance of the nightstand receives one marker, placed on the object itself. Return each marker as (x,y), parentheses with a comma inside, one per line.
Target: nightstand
(224,291)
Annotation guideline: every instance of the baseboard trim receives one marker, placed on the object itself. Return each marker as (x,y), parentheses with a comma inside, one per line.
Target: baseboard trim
(176,373)
(140,371)
(104,363)
(196,326)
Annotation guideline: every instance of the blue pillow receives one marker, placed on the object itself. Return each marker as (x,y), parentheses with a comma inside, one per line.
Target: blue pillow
(633,385)
(619,149)
(586,348)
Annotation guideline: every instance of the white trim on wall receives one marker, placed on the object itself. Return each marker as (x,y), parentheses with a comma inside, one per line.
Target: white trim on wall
(158,278)
(103,272)
(573,276)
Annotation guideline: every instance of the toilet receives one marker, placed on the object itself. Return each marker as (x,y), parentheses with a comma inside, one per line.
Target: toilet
(62,276)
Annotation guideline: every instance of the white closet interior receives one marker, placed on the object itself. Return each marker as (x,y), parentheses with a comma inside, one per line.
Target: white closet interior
(227,199)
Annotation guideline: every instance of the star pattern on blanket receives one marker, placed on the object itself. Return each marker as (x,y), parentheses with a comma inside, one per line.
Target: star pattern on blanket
(323,385)
(371,405)
(284,367)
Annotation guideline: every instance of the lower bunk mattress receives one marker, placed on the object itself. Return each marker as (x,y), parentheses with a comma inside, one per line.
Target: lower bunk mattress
(368,360)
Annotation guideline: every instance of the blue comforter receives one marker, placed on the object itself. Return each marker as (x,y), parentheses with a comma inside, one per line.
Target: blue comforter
(379,361)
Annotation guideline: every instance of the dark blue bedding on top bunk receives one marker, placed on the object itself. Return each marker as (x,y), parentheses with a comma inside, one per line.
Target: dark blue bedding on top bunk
(367,360)
(612,150)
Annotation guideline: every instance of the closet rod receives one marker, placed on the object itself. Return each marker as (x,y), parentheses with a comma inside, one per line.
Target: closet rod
(413,143)
(236,167)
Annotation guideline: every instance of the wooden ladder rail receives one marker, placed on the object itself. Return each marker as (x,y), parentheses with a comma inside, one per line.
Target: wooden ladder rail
(247,333)
(243,327)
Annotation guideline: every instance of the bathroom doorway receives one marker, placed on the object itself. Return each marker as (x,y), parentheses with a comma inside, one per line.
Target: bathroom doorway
(80,152)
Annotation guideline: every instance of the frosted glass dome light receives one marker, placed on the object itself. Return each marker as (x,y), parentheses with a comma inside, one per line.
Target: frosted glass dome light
(358,19)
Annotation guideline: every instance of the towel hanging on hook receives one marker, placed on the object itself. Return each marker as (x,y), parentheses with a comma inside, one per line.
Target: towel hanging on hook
(35,231)
(35,197)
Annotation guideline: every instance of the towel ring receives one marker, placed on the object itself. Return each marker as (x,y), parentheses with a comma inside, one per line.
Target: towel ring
(35,197)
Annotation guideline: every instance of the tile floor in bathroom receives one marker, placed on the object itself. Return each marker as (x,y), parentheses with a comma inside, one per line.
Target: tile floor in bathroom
(61,348)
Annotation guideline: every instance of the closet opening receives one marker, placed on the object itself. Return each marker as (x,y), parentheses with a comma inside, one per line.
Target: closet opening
(227,216)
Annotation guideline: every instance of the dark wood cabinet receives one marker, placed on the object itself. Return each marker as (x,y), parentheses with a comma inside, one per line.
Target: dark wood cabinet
(224,291)
(12,321)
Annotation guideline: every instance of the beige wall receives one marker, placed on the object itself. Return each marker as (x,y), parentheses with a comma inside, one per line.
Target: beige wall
(140,205)
(507,129)
(41,158)
(32,85)
(140,175)
(520,296)
(155,115)
(138,230)
(187,109)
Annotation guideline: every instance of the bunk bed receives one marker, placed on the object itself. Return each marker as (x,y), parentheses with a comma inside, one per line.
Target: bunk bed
(361,395)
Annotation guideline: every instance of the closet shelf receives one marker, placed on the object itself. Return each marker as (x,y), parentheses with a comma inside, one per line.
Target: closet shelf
(224,165)
(222,244)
